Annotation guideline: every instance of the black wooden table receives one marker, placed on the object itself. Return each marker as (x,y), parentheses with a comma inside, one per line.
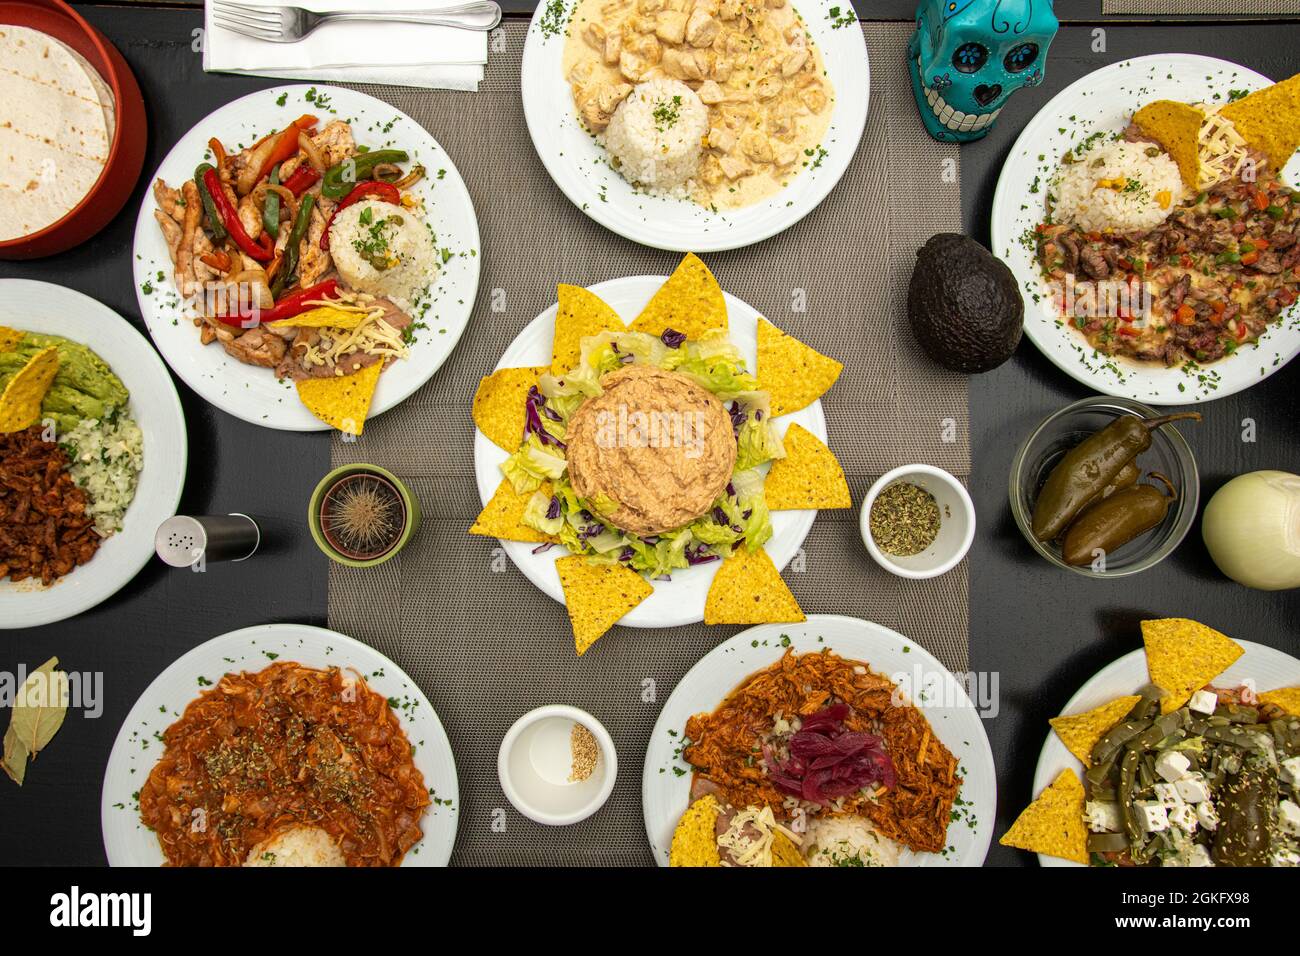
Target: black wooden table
(1041,632)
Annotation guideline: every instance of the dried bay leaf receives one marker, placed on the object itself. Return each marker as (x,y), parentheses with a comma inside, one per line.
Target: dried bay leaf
(40,707)
(14,762)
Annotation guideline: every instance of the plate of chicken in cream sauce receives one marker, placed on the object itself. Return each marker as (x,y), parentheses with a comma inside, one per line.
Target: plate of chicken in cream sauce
(695,125)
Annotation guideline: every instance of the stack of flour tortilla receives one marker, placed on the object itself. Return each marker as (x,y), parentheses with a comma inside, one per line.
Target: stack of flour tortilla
(57,118)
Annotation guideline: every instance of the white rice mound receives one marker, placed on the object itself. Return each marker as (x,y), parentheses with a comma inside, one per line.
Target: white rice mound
(1084,199)
(661,154)
(396,235)
(847,841)
(105,459)
(297,846)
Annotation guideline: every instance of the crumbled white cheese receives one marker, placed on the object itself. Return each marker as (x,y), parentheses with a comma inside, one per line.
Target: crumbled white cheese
(1288,817)
(1172,765)
(1103,816)
(1193,788)
(1154,817)
(1207,815)
(1289,771)
(1167,794)
(1183,816)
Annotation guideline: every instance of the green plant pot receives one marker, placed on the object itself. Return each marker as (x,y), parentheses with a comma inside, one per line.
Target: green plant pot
(410,505)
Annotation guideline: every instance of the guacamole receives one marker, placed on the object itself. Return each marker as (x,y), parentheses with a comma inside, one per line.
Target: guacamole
(85,387)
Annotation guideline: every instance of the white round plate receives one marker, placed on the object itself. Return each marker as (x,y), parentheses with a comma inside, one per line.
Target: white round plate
(254,394)
(1268,667)
(681,600)
(135,752)
(53,310)
(1105,101)
(666,777)
(580,167)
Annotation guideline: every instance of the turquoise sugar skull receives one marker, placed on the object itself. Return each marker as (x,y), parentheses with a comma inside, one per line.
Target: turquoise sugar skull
(968,56)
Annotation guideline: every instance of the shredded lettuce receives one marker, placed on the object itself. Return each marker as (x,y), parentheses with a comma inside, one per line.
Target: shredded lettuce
(533,463)
(535,514)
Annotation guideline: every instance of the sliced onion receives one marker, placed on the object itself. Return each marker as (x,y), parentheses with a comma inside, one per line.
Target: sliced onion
(313,154)
(258,284)
(411,178)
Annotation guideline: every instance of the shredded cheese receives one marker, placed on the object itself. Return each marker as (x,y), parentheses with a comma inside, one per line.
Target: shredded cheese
(756,851)
(372,336)
(1221,148)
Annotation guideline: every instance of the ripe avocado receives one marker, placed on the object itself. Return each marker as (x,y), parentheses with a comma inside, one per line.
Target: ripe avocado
(964,304)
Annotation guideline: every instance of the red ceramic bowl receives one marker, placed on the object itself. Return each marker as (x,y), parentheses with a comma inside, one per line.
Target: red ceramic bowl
(125,153)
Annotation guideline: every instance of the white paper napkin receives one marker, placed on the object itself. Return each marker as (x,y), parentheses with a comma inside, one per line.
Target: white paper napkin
(400,54)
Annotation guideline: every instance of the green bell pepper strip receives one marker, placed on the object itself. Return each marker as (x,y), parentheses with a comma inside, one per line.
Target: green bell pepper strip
(335,186)
(286,276)
(215,225)
(271,207)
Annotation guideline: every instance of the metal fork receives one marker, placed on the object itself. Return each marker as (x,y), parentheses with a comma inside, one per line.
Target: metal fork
(291,24)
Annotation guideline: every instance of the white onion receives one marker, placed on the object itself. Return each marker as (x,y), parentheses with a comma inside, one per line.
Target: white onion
(1252,529)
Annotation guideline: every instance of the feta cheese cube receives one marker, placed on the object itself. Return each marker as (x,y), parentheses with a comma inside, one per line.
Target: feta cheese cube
(1172,765)
(1288,817)
(1207,815)
(1167,794)
(1289,771)
(1183,816)
(1193,788)
(1284,857)
(1204,701)
(1154,817)
(1199,856)
(1103,816)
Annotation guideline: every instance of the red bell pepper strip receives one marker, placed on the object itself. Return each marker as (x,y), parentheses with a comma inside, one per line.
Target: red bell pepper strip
(286,308)
(262,251)
(296,304)
(286,145)
(303,178)
(371,189)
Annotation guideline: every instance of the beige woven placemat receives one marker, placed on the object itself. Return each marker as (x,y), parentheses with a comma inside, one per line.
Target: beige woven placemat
(1190,8)
(480,640)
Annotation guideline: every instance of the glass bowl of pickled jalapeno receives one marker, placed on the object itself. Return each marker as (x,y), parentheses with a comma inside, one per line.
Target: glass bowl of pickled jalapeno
(1106,487)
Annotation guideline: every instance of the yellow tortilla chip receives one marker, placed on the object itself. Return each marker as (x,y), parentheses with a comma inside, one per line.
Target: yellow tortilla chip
(344,400)
(1053,824)
(1288,698)
(695,843)
(597,596)
(1269,120)
(791,372)
(502,517)
(748,590)
(20,405)
(1183,656)
(691,301)
(499,405)
(581,313)
(323,317)
(807,477)
(1176,127)
(1080,732)
(9,338)
(784,852)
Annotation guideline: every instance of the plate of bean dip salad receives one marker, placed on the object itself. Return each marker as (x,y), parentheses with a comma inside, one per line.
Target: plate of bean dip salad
(1184,753)
(306,239)
(1150,216)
